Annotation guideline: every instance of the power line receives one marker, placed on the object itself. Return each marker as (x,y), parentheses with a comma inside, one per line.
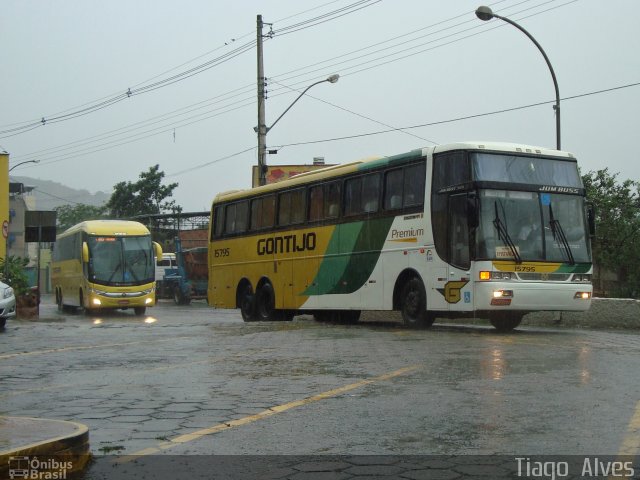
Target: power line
(243,101)
(139,90)
(392,130)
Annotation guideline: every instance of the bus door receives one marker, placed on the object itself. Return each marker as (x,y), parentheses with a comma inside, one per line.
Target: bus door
(457,291)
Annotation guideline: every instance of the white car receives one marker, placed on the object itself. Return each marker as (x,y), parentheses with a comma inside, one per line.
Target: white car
(7,304)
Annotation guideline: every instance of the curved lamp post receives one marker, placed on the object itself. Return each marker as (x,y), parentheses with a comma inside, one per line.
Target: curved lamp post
(262,131)
(22,163)
(485,14)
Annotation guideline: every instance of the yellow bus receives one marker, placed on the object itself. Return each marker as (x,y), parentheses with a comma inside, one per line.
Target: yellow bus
(105,264)
(487,230)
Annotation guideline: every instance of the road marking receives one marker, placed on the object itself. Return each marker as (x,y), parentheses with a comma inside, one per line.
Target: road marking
(84,347)
(190,437)
(631,442)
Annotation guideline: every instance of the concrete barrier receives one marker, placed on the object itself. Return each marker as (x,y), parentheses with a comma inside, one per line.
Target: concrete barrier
(622,313)
(604,313)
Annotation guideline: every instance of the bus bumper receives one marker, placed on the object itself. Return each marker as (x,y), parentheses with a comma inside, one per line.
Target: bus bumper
(100,299)
(531,297)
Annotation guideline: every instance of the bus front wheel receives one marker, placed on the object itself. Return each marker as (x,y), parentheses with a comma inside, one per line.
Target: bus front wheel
(505,322)
(139,310)
(414,305)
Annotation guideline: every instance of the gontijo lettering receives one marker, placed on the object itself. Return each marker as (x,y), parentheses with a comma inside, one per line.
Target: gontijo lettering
(287,244)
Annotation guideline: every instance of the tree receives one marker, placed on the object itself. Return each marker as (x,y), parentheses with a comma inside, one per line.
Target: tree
(147,196)
(617,206)
(68,215)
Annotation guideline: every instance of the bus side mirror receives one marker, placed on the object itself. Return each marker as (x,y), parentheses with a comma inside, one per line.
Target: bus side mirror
(85,252)
(157,249)
(591,219)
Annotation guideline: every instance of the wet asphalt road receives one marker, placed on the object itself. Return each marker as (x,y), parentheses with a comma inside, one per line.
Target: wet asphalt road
(193,380)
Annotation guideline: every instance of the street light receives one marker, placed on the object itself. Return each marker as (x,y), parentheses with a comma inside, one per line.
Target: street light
(262,131)
(485,14)
(22,163)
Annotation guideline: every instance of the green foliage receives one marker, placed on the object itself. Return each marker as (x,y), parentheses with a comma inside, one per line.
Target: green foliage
(147,196)
(615,247)
(68,215)
(12,272)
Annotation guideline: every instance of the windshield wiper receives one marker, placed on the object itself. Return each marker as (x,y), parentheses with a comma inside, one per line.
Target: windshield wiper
(503,234)
(558,235)
(118,267)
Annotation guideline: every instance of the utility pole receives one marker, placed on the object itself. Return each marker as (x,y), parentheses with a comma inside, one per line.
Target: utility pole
(262,127)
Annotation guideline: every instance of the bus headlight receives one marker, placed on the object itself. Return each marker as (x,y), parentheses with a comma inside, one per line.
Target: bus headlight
(96,302)
(502,297)
(148,301)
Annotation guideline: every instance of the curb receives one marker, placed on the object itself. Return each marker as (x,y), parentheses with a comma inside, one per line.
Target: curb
(605,313)
(48,447)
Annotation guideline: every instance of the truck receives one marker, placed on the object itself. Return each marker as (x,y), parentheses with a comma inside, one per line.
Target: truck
(189,278)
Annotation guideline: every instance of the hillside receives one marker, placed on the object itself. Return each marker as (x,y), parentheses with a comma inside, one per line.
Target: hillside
(50,195)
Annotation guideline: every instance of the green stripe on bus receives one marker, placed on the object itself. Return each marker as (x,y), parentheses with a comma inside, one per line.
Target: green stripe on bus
(351,256)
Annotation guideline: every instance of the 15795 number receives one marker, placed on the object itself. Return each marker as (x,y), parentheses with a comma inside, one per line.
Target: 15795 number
(521,268)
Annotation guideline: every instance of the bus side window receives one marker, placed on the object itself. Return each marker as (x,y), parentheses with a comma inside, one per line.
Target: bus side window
(393,189)
(332,200)
(218,219)
(263,211)
(414,180)
(316,203)
(371,193)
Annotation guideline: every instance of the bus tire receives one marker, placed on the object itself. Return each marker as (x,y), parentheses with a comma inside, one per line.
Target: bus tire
(247,303)
(59,301)
(505,322)
(413,303)
(139,310)
(265,303)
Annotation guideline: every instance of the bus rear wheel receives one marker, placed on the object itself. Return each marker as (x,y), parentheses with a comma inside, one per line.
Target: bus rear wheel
(265,304)
(413,302)
(505,322)
(247,303)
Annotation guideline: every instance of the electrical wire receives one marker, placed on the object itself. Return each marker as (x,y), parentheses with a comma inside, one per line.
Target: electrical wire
(466,117)
(104,103)
(239,91)
(423,125)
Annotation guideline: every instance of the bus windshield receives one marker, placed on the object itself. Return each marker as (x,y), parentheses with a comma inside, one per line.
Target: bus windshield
(532,226)
(120,260)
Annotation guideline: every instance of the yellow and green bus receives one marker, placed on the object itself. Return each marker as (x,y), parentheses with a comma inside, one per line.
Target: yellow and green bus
(487,230)
(105,264)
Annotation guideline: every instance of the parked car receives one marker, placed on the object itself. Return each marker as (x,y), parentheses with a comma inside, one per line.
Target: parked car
(7,304)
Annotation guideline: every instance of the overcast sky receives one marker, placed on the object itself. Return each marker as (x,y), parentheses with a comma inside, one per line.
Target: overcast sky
(403,63)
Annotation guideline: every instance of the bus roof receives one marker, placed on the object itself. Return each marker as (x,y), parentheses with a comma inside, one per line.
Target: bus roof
(502,147)
(373,162)
(108,227)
